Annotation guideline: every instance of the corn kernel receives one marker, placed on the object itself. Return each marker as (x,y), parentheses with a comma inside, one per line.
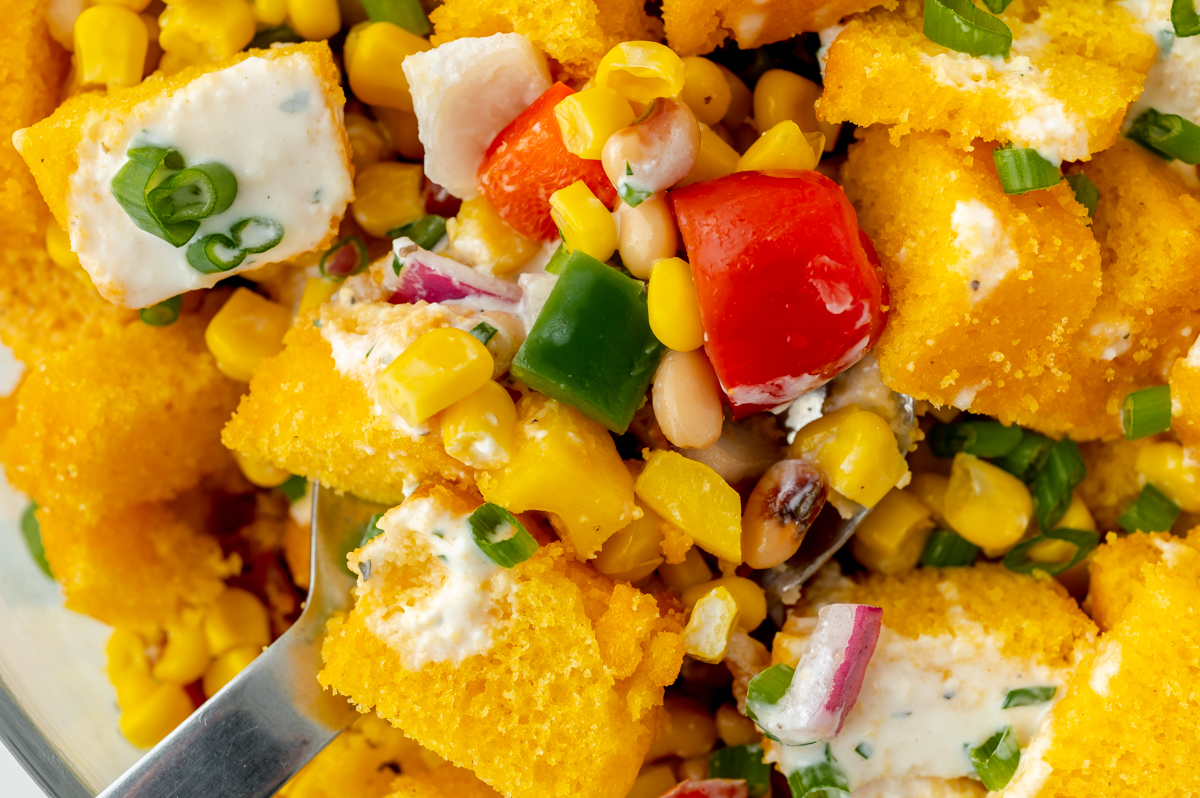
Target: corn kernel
(434,372)
(715,158)
(400,127)
(681,576)
(735,728)
(987,505)
(157,716)
(129,668)
(1077,516)
(269,13)
(314,19)
(185,657)
(259,472)
(132,5)
(741,99)
(236,618)
(673,306)
(199,31)
(58,246)
(642,71)
(689,730)
(750,598)
(781,95)
(373,63)
(367,144)
(587,118)
(479,237)
(633,552)
(1165,466)
(245,330)
(705,90)
(890,539)
(110,46)
(857,452)
(712,622)
(783,147)
(930,488)
(583,221)
(388,195)
(652,782)
(479,430)
(226,666)
(318,291)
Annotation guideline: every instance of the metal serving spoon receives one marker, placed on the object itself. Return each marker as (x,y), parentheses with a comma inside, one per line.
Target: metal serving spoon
(270,720)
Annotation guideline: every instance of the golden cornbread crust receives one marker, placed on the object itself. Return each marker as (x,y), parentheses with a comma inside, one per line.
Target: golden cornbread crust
(1185,402)
(697,27)
(446,781)
(1119,568)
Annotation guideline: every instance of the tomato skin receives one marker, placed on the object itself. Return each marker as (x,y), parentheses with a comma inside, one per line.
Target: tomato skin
(527,162)
(709,788)
(790,289)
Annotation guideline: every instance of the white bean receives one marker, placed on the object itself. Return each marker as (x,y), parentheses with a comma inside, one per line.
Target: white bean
(687,400)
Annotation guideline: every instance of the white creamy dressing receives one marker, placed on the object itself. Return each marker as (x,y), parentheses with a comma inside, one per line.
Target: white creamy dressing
(1173,82)
(966,397)
(1106,665)
(988,255)
(1032,769)
(265,119)
(1112,338)
(457,613)
(535,290)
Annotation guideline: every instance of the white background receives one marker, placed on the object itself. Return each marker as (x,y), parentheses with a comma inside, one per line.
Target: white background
(16,781)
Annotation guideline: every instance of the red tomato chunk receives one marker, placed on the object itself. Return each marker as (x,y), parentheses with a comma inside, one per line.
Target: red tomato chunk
(709,788)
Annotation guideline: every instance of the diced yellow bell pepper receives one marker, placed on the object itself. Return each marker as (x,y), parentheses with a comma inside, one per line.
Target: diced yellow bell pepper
(642,71)
(987,505)
(435,371)
(245,330)
(714,159)
(890,539)
(857,452)
(318,291)
(784,146)
(750,598)
(373,63)
(583,221)
(1165,466)
(634,552)
(673,307)
(236,618)
(185,658)
(479,430)
(694,498)
(692,571)
(711,624)
(157,716)
(481,238)
(587,118)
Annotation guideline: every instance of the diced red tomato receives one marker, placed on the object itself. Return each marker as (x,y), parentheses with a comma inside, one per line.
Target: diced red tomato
(527,162)
(790,289)
(709,788)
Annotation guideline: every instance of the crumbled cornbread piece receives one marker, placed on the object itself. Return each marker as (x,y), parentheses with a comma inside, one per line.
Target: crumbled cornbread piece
(1073,71)
(1185,400)
(696,28)
(1112,480)
(1118,570)
(446,781)
(304,416)
(137,567)
(362,762)
(545,681)
(123,418)
(575,33)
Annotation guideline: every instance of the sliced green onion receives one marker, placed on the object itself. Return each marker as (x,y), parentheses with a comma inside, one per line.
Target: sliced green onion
(162,314)
(501,536)
(1146,412)
(1169,135)
(345,258)
(980,438)
(1025,696)
(1086,193)
(295,487)
(424,232)
(256,234)
(823,780)
(864,750)
(282,34)
(770,685)
(1084,540)
(1151,511)
(1063,470)
(372,531)
(1184,18)
(396,265)
(1027,458)
(631,196)
(31,530)
(214,253)
(484,332)
(132,183)
(742,762)
(996,760)
(997,6)
(946,549)
(558,260)
(1022,169)
(966,28)
(408,14)
(192,194)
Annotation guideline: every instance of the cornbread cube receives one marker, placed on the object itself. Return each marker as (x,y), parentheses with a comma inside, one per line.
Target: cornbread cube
(1075,67)
(273,117)
(1185,400)
(124,418)
(1112,480)
(545,679)
(312,409)
(1118,570)
(575,33)
(695,28)
(446,781)
(362,762)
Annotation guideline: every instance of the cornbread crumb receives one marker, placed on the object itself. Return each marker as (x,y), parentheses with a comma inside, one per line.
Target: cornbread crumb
(446,781)
(695,28)
(361,762)
(1119,568)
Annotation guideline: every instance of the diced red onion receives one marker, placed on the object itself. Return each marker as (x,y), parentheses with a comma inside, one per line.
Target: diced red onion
(709,788)
(435,278)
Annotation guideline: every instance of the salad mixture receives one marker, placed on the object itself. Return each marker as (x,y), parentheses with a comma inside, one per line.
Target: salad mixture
(772,397)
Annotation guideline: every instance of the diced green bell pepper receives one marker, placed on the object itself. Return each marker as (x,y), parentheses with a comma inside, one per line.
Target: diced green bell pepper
(591,347)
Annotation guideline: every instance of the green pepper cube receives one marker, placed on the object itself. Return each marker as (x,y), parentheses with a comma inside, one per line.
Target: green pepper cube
(591,347)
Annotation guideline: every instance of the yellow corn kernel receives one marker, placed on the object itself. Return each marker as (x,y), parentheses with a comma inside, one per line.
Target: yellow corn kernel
(673,306)
(987,505)
(226,666)
(857,452)
(387,195)
(696,499)
(750,598)
(481,238)
(692,571)
(715,158)
(314,19)
(129,668)
(734,728)
(712,622)
(157,716)
(318,291)
(480,429)
(400,127)
(583,221)
(367,143)
(236,618)
(1165,467)
(642,71)
(434,372)
(246,329)
(1050,550)
(58,246)
(260,472)
(587,118)
(110,46)
(652,782)
(132,5)
(689,730)
(783,147)
(705,90)
(930,488)
(890,539)
(269,13)
(781,95)
(373,62)
(199,31)
(185,657)
(741,99)
(633,552)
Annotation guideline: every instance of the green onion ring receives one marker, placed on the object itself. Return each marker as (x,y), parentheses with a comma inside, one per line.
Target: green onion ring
(263,234)
(1018,558)
(131,184)
(424,232)
(162,314)
(1022,169)
(192,194)
(1184,18)
(1086,193)
(946,549)
(1146,412)
(1151,511)
(205,254)
(1168,135)
(407,14)
(1028,696)
(996,760)
(965,28)
(997,6)
(1060,474)
(336,265)
(501,536)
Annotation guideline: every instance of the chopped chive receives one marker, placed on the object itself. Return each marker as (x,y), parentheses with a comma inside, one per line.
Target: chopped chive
(769,686)
(256,234)
(408,14)
(1151,511)
(214,253)
(864,750)
(501,536)
(1146,412)
(1184,18)
(1027,458)
(966,28)
(1022,169)
(1084,540)
(558,260)
(823,780)
(372,531)
(997,6)
(946,549)
(424,232)
(1063,470)
(295,487)
(31,531)
(742,762)
(345,258)
(1086,193)
(631,196)
(484,332)
(996,760)
(133,182)
(162,314)
(283,34)
(1025,696)
(980,438)
(1168,135)
(192,194)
